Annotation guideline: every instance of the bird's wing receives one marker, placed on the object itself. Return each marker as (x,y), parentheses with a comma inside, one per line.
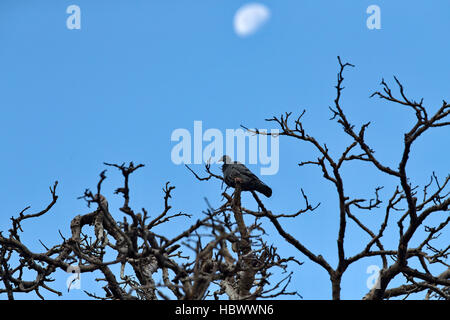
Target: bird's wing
(243,170)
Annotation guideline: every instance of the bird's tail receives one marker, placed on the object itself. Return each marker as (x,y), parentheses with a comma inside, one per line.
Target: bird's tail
(265,190)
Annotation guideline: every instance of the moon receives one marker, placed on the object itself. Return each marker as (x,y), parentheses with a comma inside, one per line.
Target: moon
(250,18)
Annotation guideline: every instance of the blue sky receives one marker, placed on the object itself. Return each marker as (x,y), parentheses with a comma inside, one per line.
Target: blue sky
(115,90)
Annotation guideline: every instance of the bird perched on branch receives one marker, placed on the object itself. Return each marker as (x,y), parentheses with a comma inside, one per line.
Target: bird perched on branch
(234,171)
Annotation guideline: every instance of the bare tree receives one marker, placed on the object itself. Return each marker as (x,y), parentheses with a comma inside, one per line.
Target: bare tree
(433,200)
(195,264)
(198,262)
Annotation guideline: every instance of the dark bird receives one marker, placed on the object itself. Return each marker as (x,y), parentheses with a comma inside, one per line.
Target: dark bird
(234,171)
